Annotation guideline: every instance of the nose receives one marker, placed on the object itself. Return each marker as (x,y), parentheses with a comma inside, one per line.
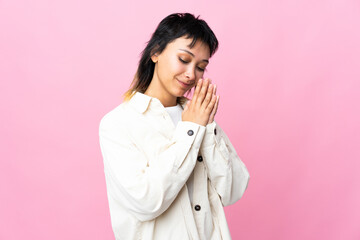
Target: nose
(190,74)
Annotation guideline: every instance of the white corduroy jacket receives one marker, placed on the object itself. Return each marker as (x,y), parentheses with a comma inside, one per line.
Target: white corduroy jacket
(147,162)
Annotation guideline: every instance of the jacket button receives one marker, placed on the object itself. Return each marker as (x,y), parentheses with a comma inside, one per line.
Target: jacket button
(199,158)
(190,132)
(215,131)
(197,207)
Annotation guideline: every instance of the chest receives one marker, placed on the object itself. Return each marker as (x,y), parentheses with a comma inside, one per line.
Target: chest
(153,133)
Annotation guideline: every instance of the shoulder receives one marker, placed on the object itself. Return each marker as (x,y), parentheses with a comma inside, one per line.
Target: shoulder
(119,116)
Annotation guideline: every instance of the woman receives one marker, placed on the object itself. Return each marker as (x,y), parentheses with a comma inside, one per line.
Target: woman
(169,167)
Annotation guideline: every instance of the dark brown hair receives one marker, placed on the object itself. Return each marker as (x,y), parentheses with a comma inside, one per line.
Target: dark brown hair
(170,28)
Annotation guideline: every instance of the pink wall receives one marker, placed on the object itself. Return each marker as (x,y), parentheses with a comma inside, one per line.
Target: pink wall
(288,74)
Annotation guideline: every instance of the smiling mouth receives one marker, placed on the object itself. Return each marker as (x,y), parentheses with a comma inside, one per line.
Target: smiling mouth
(183,84)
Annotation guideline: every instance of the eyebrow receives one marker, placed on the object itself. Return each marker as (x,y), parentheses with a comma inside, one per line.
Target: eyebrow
(204,60)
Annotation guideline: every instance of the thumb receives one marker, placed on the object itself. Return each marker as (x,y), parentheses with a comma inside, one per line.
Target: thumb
(187,105)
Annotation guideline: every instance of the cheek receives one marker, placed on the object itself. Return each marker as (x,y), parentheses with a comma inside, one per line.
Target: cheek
(199,75)
(167,67)
(176,66)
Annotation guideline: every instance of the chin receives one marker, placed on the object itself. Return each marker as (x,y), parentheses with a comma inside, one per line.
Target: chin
(178,93)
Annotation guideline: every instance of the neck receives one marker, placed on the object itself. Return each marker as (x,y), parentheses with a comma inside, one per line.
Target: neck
(166,99)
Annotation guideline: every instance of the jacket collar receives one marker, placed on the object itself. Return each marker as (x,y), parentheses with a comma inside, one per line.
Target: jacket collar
(141,101)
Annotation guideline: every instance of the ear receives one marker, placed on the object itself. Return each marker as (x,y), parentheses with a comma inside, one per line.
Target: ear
(154,54)
(154,57)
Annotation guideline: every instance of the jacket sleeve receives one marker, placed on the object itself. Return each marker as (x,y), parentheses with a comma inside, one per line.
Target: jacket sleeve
(226,172)
(146,184)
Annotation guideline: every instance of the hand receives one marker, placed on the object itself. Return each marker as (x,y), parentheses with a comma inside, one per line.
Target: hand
(212,115)
(200,107)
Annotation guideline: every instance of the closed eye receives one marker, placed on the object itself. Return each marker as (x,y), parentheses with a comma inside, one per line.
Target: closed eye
(199,68)
(183,61)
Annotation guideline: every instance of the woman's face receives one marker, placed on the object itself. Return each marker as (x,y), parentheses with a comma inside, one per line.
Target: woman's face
(178,67)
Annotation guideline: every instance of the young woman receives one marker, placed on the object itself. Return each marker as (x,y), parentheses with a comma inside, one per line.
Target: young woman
(169,167)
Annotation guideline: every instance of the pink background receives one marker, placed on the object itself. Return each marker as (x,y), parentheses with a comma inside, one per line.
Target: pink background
(288,73)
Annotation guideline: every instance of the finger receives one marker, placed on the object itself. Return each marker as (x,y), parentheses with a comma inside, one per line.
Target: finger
(217,99)
(197,89)
(213,113)
(211,104)
(216,105)
(208,96)
(203,91)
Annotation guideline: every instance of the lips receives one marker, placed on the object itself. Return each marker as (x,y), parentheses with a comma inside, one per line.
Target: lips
(183,84)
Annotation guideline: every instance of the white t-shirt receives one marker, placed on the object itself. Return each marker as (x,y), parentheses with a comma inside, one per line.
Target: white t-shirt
(175,114)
